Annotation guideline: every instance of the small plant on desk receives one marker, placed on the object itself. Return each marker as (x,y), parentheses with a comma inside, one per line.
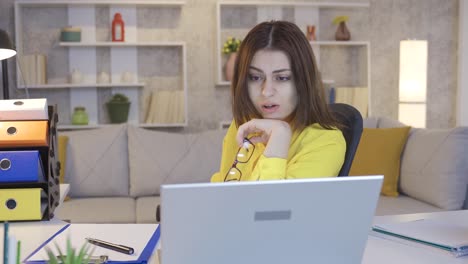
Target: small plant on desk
(70,256)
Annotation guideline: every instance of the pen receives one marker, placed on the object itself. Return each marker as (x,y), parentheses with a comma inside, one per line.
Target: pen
(112,246)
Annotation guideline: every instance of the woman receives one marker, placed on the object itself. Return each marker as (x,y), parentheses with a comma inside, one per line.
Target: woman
(282,128)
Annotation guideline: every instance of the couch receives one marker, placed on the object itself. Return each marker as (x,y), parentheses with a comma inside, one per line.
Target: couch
(115,171)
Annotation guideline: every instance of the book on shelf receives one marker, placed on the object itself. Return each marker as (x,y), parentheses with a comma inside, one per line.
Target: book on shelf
(355,96)
(434,233)
(166,107)
(33,69)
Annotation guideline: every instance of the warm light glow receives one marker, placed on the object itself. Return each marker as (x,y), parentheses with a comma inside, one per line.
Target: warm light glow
(413,82)
(7,53)
(413,70)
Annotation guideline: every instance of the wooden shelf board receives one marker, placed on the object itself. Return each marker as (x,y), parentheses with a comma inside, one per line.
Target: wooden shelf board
(144,125)
(122,44)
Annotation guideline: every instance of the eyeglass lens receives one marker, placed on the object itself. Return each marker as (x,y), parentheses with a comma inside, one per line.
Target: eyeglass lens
(243,156)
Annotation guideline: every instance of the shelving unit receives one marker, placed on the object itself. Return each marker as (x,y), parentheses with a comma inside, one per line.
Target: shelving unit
(94,54)
(302,14)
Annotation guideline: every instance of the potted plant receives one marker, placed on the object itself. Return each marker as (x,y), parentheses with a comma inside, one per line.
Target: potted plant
(231,46)
(70,256)
(118,107)
(342,32)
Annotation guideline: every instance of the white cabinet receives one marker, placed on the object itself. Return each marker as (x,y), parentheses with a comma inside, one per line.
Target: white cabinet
(342,63)
(152,65)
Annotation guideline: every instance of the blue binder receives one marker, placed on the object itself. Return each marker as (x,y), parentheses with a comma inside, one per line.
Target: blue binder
(21,166)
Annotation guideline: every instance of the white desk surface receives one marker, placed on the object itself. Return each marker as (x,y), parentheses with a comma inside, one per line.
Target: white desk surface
(378,249)
(381,250)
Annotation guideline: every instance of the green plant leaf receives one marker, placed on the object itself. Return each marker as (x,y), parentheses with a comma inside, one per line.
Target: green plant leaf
(231,45)
(120,98)
(71,256)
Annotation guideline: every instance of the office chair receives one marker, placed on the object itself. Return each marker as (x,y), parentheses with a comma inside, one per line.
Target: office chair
(351,120)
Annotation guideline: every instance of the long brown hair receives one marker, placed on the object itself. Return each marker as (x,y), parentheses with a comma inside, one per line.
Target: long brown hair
(286,37)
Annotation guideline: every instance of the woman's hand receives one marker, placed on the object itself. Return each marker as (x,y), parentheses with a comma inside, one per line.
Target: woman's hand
(275,134)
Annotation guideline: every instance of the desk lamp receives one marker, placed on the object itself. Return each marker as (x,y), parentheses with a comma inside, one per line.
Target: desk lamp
(6,51)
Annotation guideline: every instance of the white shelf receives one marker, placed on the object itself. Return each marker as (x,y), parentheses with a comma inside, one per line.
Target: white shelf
(84,85)
(305,13)
(94,126)
(340,43)
(123,57)
(227,83)
(37,3)
(316,4)
(121,44)
(77,127)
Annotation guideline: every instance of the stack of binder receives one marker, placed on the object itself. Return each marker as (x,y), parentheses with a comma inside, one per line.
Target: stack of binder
(29,169)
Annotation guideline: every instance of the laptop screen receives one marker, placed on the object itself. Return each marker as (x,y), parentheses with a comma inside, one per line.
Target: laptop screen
(324,220)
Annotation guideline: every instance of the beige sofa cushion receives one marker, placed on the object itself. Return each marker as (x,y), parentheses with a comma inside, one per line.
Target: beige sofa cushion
(98,210)
(434,167)
(97,162)
(157,158)
(403,205)
(146,209)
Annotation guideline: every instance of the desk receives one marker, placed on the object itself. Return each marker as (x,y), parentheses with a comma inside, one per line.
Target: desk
(381,250)
(378,250)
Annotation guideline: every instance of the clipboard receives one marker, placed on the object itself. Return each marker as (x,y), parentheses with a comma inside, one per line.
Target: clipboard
(142,237)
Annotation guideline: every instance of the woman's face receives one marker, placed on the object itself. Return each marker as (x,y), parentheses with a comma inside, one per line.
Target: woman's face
(270,84)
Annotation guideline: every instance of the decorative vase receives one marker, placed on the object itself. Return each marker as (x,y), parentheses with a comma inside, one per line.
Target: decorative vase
(229,67)
(103,78)
(342,32)
(76,76)
(311,33)
(118,111)
(80,117)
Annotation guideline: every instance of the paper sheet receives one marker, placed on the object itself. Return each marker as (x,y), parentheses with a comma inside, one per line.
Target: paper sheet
(136,236)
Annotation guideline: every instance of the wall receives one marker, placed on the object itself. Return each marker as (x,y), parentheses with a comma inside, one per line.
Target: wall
(390,21)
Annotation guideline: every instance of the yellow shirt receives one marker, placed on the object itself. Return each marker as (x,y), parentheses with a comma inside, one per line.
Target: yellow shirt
(313,153)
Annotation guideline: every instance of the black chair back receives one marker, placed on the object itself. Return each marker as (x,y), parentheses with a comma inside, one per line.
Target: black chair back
(351,120)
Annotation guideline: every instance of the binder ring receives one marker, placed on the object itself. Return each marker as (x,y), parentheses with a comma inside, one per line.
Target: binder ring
(11,130)
(5,164)
(11,204)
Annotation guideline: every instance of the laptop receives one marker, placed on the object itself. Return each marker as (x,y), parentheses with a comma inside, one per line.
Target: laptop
(323,220)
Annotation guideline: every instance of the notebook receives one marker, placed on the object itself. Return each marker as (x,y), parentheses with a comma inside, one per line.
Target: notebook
(430,232)
(325,220)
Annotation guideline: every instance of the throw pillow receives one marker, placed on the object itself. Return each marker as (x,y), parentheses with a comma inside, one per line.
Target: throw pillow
(157,158)
(62,156)
(97,162)
(62,142)
(379,153)
(434,167)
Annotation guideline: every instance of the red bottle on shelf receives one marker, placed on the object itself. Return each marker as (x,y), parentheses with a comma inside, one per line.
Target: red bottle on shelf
(118,28)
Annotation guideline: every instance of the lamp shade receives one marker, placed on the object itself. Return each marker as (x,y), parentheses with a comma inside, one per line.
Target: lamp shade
(413,70)
(7,49)
(413,82)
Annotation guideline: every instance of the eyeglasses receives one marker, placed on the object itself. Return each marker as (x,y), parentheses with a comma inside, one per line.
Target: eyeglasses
(243,156)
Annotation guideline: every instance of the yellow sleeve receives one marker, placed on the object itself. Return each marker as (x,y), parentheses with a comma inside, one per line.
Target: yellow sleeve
(319,157)
(228,153)
(316,156)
